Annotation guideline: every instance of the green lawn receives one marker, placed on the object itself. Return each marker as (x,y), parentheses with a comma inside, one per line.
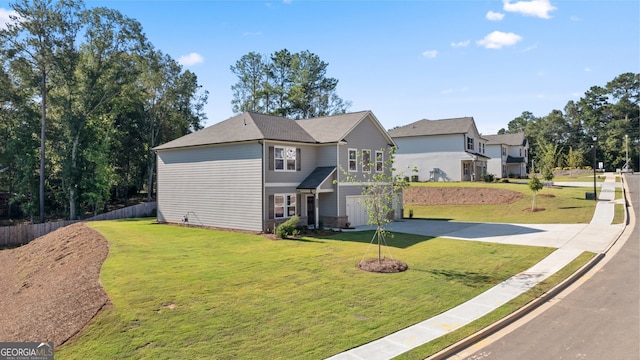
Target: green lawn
(181,293)
(566,205)
(580,178)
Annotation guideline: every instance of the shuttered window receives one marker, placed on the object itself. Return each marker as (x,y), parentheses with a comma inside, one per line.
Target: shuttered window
(284,158)
(284,205)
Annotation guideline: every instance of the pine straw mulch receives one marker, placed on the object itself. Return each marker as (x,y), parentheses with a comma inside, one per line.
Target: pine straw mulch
(428,196)
(50,288)
(383,265)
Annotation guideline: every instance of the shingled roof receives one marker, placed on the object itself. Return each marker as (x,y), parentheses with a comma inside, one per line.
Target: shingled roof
(434,127)
(516,139)
(250,126)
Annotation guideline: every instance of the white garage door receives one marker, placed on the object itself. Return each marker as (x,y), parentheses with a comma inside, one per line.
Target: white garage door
(356,211)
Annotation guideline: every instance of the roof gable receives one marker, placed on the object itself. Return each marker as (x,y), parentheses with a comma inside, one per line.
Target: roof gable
(250,126)
(427,127)
(516,139)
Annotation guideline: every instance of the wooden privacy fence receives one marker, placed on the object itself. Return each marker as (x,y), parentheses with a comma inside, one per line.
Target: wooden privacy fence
(23,234)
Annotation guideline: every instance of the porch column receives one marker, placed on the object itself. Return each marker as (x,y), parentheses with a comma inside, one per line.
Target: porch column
(317,212)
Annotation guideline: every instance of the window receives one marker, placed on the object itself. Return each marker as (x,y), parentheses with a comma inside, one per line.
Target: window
(379,161)
(469,143)
(284,205)
(465,168)
(504,151)
(353,160)
(284,158)
(366,160)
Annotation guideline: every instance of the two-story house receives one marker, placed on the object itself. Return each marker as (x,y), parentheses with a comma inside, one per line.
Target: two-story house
(441,150)
(509,155)
(253,171)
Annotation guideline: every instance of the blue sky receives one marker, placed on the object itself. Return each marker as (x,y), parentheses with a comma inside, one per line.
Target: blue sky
(408,60)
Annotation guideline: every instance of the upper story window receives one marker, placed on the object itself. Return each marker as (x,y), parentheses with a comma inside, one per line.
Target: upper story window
(504,151)
(379,161)
(284,158)
(366,160)
(469,143)
(353,160)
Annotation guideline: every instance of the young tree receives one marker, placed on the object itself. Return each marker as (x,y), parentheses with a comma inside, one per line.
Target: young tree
(381,189)
(535,185)
(547,160)
(574,159)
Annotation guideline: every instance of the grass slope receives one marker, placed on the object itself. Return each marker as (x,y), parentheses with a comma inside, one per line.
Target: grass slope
(192,293)
(566,205)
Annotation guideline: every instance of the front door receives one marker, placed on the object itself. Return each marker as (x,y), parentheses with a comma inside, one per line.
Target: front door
(311,210)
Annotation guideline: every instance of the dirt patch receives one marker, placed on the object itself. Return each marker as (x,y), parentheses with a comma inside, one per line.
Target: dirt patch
(426,195)
(50,288)
(383,265)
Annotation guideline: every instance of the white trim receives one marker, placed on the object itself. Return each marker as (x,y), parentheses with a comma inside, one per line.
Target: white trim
(281,184)
(285,159)
(362,184)
(285,205)
(375,161)
(349,160)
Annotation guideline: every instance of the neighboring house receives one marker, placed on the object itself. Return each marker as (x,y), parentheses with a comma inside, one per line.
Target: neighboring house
(509,155)
(254,171)
(441,150)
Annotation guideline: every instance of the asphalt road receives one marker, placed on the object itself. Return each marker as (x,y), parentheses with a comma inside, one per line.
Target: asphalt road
(597,318)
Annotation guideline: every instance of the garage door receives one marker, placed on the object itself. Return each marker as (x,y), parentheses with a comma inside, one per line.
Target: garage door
(356,211)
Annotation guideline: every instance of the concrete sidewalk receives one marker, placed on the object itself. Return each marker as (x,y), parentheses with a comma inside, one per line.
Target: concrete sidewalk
(570,241)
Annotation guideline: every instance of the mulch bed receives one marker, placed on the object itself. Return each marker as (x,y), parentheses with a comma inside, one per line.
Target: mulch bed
(428,196)
(384,265)
(50,288)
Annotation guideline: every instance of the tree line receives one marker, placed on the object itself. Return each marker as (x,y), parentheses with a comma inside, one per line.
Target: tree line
(84,97)
(606,117)
(294,86)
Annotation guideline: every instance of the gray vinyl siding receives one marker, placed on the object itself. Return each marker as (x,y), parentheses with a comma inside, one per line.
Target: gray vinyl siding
(365,136)
(218,186)
(308,163)
(326,155)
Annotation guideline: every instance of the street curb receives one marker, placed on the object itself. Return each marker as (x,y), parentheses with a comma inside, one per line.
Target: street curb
(516,315)
(535,303)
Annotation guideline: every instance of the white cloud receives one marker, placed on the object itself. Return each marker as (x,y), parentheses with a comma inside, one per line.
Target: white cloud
(538,8)
(191,59)
(4,17)
(530,48)
(287,1)
(587,69)
(460,43)
(574,18)
(495,16)
(248,33)
(498,39)
(430,54)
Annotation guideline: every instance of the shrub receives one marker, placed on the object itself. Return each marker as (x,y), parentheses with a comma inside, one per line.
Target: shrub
(488,177)
(287,228)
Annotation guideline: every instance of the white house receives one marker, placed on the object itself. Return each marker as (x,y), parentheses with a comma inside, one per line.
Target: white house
(509,155)
(441,150)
